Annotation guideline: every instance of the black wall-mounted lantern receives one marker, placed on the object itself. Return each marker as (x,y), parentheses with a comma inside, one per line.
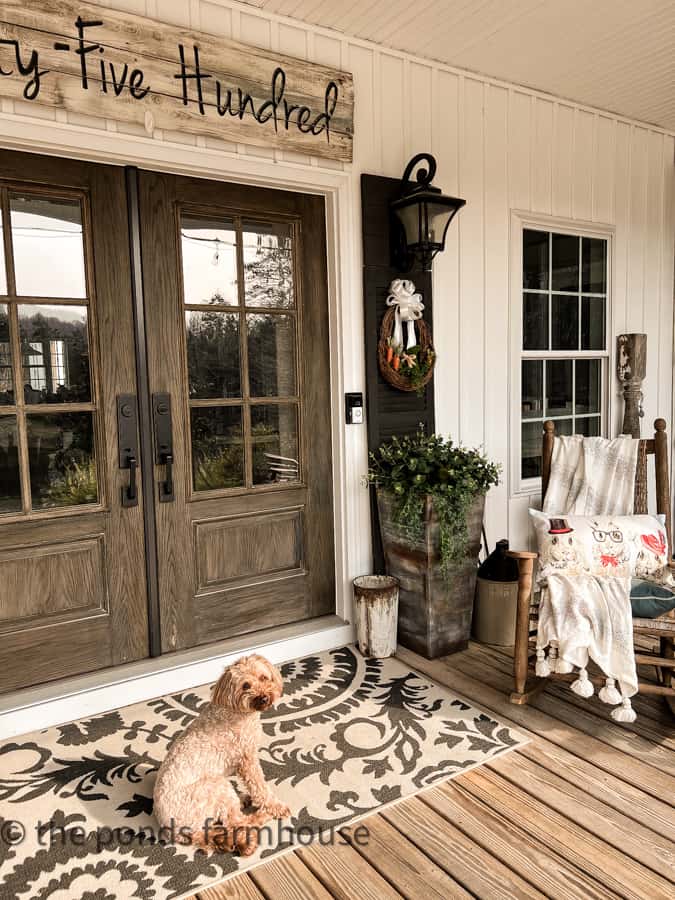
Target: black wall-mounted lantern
(421,216)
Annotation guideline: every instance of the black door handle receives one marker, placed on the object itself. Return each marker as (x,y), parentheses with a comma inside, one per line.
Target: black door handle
(127,427)
(161,413)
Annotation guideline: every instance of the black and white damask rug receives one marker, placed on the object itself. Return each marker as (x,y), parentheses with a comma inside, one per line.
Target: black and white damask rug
(349,736)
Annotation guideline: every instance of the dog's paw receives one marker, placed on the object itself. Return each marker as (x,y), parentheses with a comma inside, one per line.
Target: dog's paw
(277,810)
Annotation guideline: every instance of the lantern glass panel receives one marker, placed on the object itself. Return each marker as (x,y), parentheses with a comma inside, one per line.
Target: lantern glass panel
(409,218)
(438,218)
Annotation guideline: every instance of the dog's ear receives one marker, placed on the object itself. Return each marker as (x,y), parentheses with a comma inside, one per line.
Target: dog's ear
(277,680)
(223,688)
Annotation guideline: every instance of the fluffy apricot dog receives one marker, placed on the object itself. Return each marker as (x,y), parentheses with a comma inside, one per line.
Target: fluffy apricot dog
(193,793)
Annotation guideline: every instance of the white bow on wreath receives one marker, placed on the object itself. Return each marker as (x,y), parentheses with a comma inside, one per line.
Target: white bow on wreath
(409,308)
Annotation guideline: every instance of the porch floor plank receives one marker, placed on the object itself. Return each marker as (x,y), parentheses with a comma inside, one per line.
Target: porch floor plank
(582,811)
(339,867)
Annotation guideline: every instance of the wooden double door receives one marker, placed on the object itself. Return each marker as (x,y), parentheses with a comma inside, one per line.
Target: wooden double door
(165,438)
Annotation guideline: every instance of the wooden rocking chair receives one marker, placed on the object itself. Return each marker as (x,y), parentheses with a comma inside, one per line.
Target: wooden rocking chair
(661,629)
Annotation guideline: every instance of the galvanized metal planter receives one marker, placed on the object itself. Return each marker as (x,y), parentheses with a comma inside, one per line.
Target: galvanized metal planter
(434,614)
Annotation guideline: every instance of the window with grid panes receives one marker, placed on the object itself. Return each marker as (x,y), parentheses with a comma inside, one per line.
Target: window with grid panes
(564,338)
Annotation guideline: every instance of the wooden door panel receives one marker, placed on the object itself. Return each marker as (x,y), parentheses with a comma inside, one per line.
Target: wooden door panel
(72,563)
(248,541)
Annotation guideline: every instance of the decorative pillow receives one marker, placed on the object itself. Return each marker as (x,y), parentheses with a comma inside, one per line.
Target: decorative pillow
(649,601)
(603,545)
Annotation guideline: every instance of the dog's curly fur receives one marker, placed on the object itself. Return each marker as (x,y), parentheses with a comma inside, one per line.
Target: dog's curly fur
(193,790)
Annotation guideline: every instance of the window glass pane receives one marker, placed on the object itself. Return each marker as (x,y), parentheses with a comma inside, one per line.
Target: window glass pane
(564,262)
(589,427)
(531,449)
(209,252)
(271,355)
(564,426)
(535,260)
(533,389)
(10,479)
(564,322)
(268,264)
(6,377)
(593,318)
(274,431)
(594,265)
(213,354)
(217,447)
(3,271)
(54,354)
(588,385)
(558,387)
(535,321)
(48,247)
(61,459)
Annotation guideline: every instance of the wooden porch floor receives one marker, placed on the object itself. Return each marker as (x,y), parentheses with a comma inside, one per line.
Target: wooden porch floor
(583,811)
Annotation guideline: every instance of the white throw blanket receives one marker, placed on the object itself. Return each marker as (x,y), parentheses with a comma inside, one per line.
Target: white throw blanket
(583,615)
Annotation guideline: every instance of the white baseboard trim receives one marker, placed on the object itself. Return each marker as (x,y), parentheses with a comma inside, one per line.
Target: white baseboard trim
(87,695)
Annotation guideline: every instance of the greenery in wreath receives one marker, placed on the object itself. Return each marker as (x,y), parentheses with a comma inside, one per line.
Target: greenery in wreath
(412,363)
(411,468)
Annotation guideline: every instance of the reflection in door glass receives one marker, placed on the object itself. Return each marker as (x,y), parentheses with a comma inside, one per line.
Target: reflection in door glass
(271,355)
(48,247)
(268,264)
(10,479)
(209,253)
(54,354)
(213,354)
(6,377)
(3,271)
(217,447)
(61,459)
(274,432)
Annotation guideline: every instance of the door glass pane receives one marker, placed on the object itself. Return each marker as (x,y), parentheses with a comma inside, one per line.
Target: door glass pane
(594,265)
(588,385)
(535,259)
(593,323)
(271,355)
(268,264)
(217,447)
(54,354)
(61,458)
(209,252)
(535,321)
(274,431)
(533,389)
(530,466)
(48,247)
(3,271)
(10,479)
(213,354)
(6,377)
(564,322)
(564,262)
(558,387)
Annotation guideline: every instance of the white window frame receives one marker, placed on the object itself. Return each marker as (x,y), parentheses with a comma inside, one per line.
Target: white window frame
(520,221)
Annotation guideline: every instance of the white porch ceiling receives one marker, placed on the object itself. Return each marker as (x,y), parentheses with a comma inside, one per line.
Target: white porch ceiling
(618,55)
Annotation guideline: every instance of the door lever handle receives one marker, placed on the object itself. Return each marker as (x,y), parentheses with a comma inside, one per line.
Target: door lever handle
(166,494)
(161,413)
(127,417)
(129,493)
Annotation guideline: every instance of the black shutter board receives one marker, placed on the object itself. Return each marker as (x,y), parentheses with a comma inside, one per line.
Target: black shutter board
(388,411)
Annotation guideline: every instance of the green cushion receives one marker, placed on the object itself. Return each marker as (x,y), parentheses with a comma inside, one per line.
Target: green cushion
(649,601)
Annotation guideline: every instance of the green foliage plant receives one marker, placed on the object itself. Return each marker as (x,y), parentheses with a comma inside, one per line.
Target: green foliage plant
(411,468)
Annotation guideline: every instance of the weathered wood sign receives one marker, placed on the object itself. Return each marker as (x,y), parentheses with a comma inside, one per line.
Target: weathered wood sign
(86,59)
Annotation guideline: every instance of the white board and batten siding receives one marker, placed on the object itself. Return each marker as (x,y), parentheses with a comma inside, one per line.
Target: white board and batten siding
(501,148)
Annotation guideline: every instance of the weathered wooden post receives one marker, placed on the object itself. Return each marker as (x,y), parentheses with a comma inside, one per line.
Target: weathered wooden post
(631,371)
